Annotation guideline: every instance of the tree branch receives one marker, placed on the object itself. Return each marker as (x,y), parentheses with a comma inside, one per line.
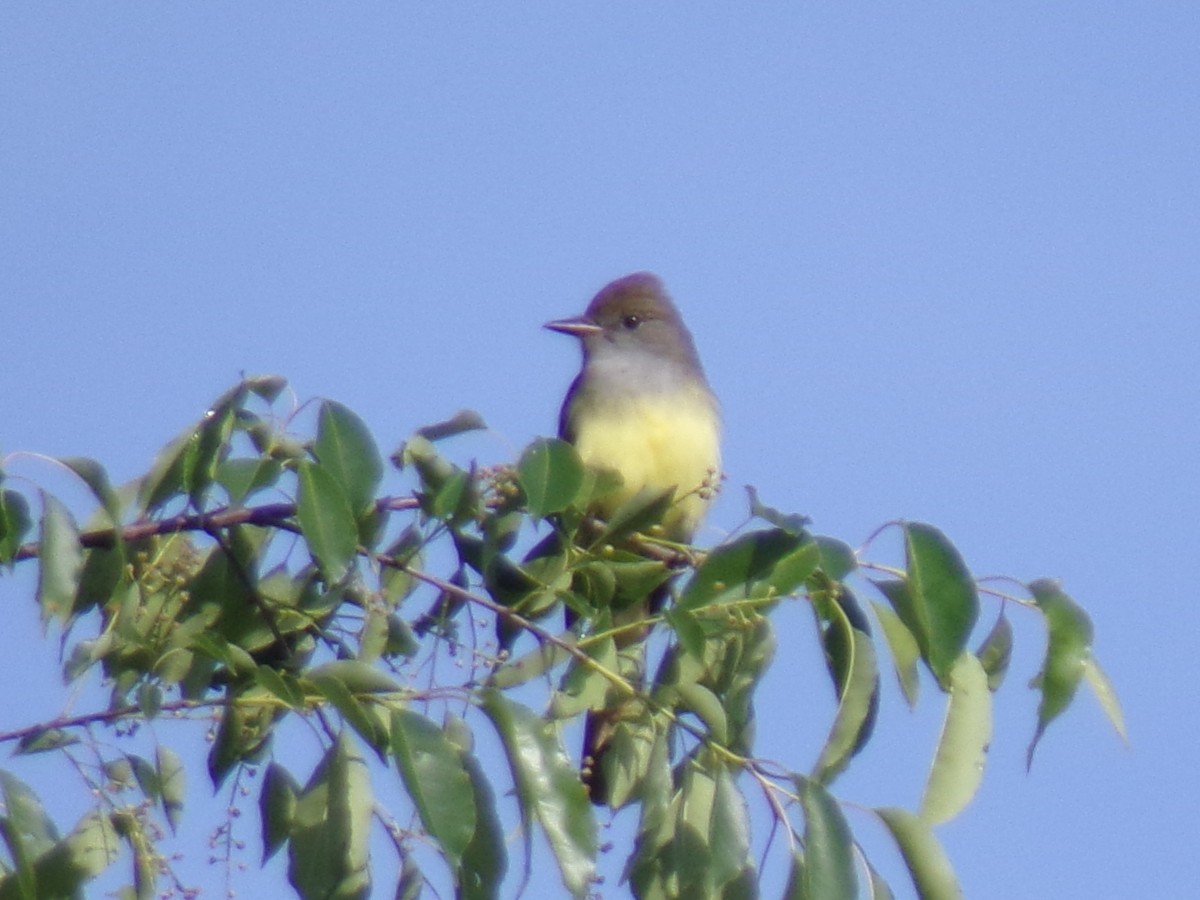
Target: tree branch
(278,515)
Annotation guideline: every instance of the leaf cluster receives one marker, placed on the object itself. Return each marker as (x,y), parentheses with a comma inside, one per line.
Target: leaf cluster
(256,579)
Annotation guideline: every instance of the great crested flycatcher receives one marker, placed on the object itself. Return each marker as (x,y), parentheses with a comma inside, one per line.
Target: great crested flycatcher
(641,407)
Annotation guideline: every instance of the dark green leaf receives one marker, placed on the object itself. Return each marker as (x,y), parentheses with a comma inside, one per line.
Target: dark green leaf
(400,640)
(281,685)
(61,560)
(944,602)
(103,575)
(962,749)
(42,741)
(485,860)
(548,788)
(327,521)
(462,421)
(551,475)
(328,850)
(923,855)
(209,445)
(345,449)
(761,564)
(242,734)
(995,652)
(852,662)
(164,481)
(266,386)
(1068,648)
(354,711)
(15,523)
(277,808)
(436,781)
(640,512)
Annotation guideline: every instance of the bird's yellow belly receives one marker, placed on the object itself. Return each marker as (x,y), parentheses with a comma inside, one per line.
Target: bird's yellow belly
(659,443)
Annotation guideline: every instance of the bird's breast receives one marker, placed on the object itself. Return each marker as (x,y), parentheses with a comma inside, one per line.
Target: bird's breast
(656,440)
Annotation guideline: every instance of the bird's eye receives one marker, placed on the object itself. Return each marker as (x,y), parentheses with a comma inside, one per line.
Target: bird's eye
(631,322)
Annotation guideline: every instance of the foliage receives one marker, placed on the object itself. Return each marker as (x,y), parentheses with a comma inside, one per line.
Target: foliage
(197,594)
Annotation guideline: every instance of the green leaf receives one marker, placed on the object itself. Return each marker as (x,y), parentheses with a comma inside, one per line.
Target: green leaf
(943,598)
(447,492)
(93,475)
(164,481)
(995,653)
(962,749)
(103,575)
(43,741)
(582,687)
(923,855)
(536,663)
(281,685)
(852,657)
(354,711)
(462,421)
(790,522)
(172,783)
(209,444)
(1107,695)
(436,781)
(28,831)
(551,475)
(1068,647)
(328,851)
(327,521)
(358,677)
(640,512)
(242,477)
(15,523)
(827,870)
(548,788)
(61,560)
(266,386)
(277,808)
(345,449)
(704,703)
(767,563)
(61,871)
(730,833)
(905,652)
(242,734)
(837,557)
(485,859)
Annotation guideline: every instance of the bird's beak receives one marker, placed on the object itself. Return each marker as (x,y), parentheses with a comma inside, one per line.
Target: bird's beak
(578,326)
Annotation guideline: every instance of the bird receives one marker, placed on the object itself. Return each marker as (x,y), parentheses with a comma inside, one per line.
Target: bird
(642,407)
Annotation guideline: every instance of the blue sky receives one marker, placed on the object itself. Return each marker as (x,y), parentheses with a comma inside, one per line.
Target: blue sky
(940,260)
